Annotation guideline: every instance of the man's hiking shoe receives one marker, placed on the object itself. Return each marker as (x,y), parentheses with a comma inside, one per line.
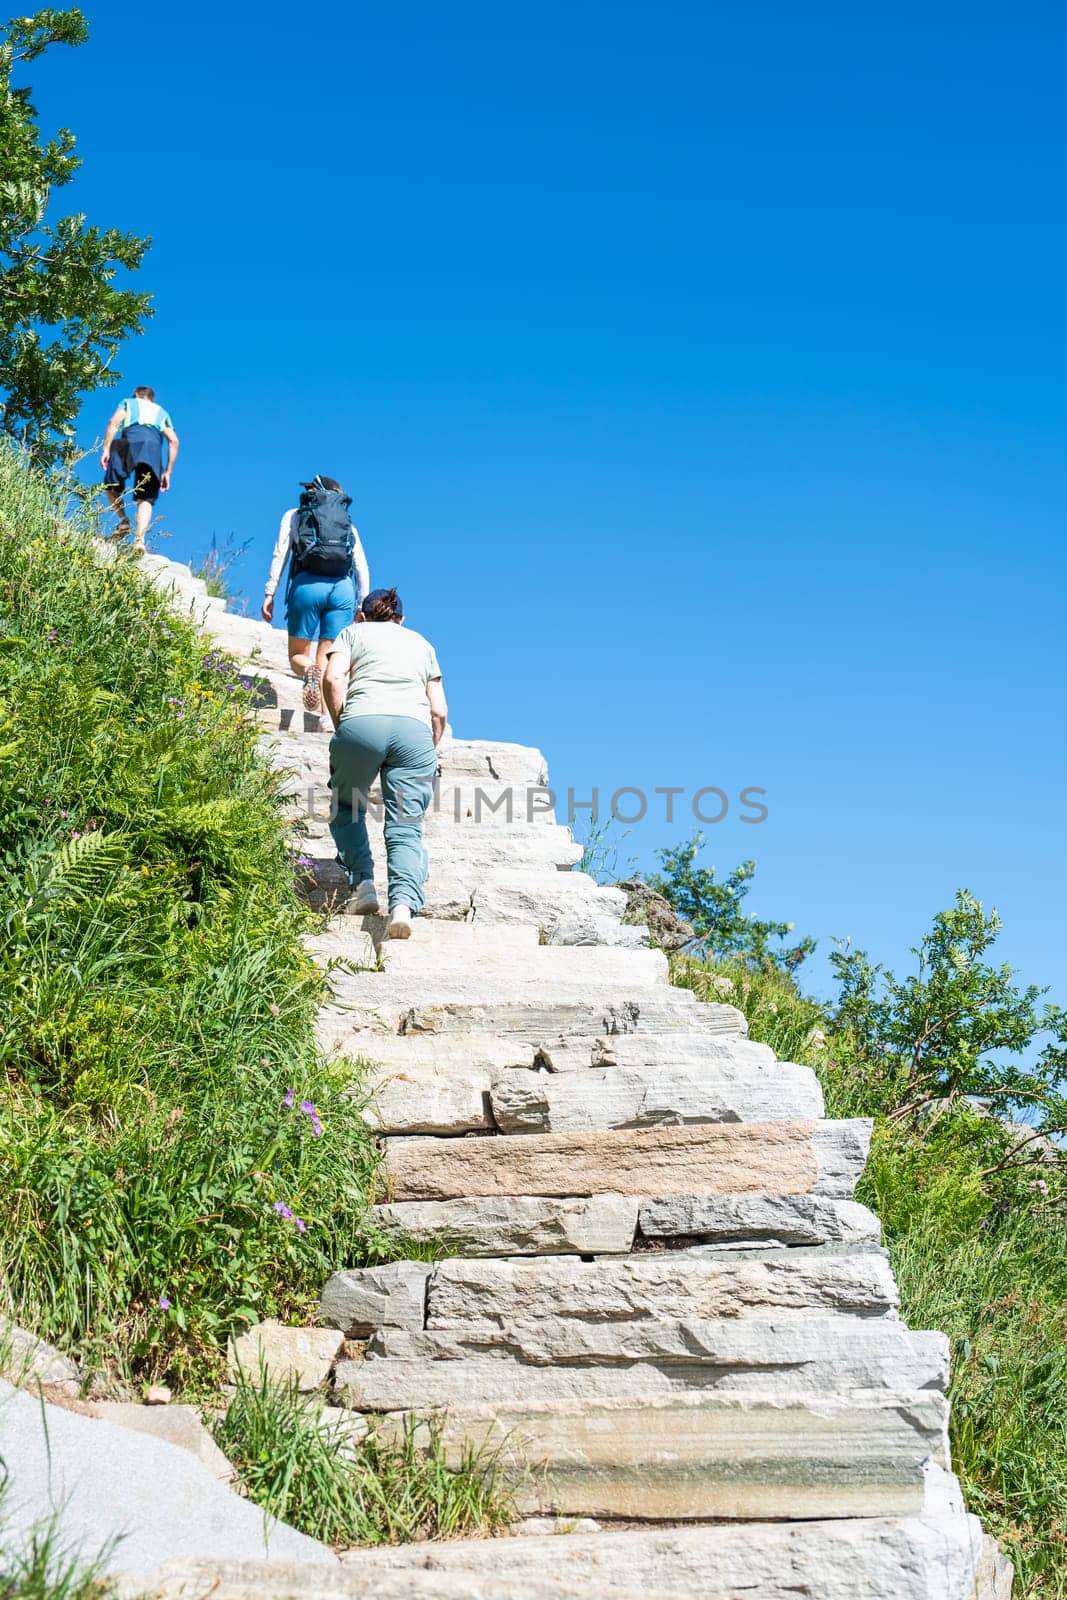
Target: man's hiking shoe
(122,531)
(365,898)
(312,692)
(399,924)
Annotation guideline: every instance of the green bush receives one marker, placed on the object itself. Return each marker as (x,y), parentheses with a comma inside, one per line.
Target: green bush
(162,1181)
(977,1236)
(300,1463)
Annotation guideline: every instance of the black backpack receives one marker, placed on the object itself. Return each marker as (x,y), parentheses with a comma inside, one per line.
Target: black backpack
(323,538)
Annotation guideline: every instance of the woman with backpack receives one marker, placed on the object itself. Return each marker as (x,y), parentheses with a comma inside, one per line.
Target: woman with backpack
(328,577)
(384,692)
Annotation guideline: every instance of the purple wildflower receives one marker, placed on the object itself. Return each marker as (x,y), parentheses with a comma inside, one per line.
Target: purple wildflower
(53,635)
(301,1225)
(283,1210)
(311,1110)
(290,1096)
(163,1303)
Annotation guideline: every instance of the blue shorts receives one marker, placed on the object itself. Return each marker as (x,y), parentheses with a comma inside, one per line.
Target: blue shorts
(320,608)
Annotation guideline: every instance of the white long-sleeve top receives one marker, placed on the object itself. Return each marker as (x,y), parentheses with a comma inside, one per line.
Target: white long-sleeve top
(283,546)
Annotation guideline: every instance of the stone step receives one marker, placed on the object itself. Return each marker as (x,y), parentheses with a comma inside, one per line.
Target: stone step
(459,939)
(425,1099)
(548,851)
(782,1157)
(434,962)
(895,1362)
(588,1225)
(667,1286)
(802,1355)
(724,1055)
(686,1456)
(564,1016)
(915,1558)
(525,1101)
(521,895)
(608,1223)
(267,1580)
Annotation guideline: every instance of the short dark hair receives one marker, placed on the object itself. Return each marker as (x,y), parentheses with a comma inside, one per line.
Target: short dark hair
(382,606)
(144,392)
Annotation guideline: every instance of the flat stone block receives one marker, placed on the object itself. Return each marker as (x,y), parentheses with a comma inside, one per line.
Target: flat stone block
(730,1158)
(782,1219)
(598,1225)
(676,1285)
(304,1356)
(365,1298)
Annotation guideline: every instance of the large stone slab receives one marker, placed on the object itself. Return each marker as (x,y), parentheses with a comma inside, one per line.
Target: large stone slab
(780,1219)
(447,1053)
(609,965)
(677,1285)
(559,1016)
(841,1150)
(542,900)
(302,1356)
(492,760)
(723,1158)
(428,1102)
(178,1425)
(840,1559)
(31,1362)
(601,1224)
(809,1356)
(694,1048)
(681,1456)
(237,1580)
(741,1360)
(365,1298)
(106,1484)
(617,1097)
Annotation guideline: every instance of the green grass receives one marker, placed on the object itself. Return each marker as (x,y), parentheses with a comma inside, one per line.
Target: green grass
(46,1570)
(298,1461)
(982,1257)
(156,1005)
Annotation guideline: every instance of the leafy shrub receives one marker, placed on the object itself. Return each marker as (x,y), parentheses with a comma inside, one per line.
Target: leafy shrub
(972,1207)
(714,908)
(156,1004)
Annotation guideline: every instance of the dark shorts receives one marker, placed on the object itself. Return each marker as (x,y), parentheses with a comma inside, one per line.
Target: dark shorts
(138,453)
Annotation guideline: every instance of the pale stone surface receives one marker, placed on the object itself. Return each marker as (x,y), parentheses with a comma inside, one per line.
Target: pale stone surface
(493,760)
(366,1298)
(178,1425)
(105,1484)
(31,1362)
(617,1097)
(841,1149)
(995,1575)
(808,1356)
(304,1356)
(541,898)
(785,1219)
(429,1102)
(648,1051)
(585,926)
(663,1286)
(424,959)
(716,1158)
(598,1225)
(571,1016)
(693,1456)
(532,1527)
(448,1053)
(234,1580)
(752,1361)
(840,1559)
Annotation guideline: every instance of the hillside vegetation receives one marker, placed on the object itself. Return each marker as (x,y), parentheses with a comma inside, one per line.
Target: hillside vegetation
(163,1177)
(972,1205)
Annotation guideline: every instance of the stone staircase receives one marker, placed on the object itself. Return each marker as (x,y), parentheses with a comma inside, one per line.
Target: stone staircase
(656,1295)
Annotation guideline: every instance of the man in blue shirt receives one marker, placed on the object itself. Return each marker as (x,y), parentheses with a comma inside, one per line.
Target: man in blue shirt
(141,427)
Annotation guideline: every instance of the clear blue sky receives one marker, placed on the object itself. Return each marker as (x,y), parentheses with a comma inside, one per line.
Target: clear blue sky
(698,373)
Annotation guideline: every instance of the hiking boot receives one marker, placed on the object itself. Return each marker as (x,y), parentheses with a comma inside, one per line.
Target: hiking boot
(365,898)
(399,924)
(312,693)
